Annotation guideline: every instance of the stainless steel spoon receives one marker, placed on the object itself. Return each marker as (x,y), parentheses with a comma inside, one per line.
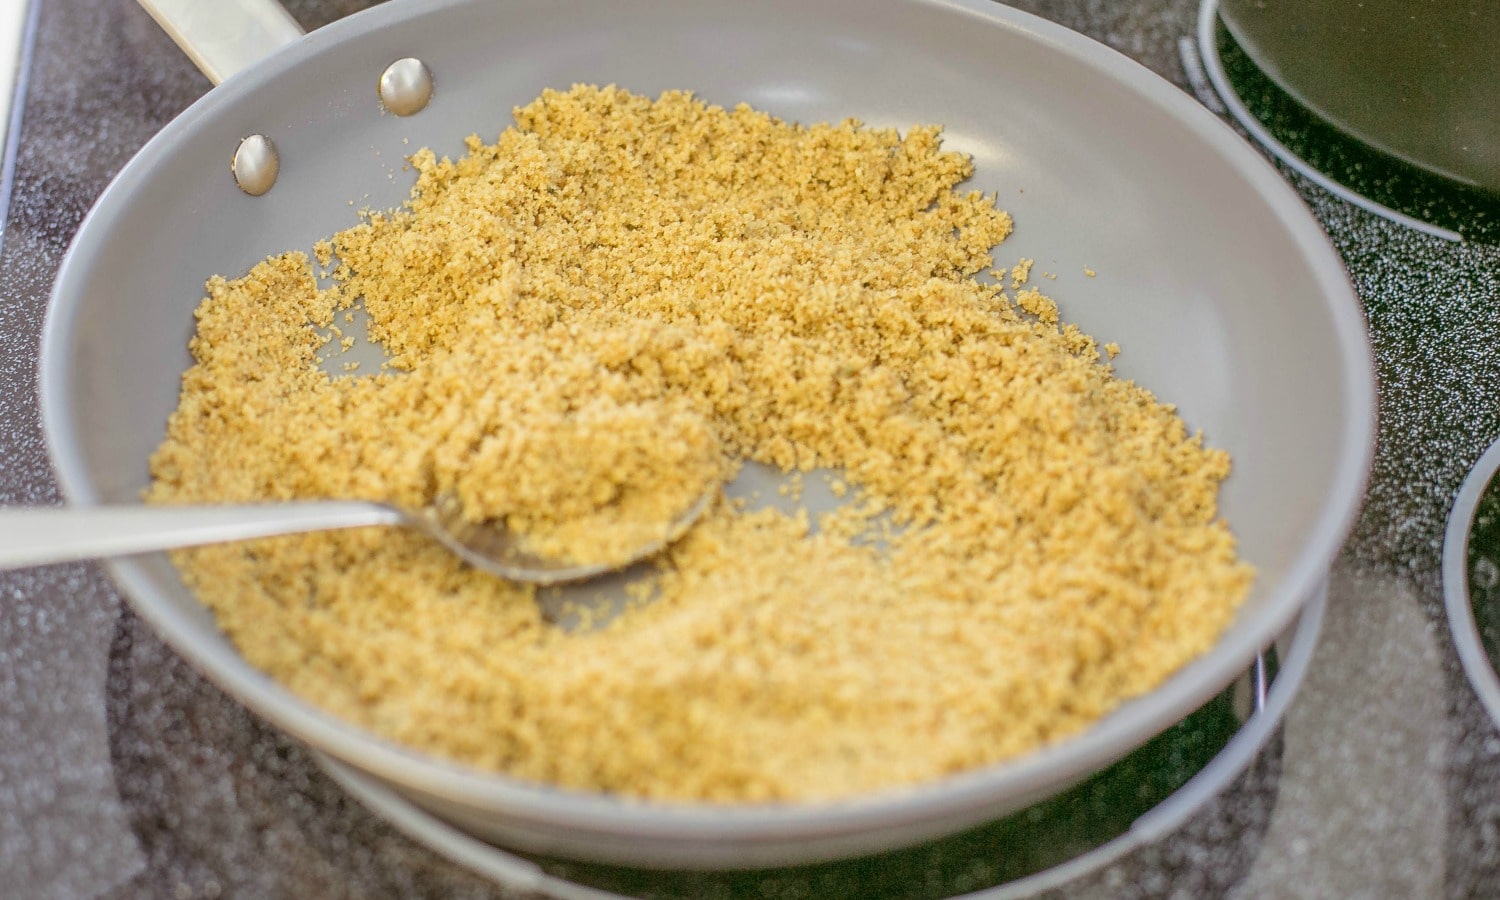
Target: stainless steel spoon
(38,535)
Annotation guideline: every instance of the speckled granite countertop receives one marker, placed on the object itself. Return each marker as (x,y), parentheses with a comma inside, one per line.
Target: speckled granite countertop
(125,774)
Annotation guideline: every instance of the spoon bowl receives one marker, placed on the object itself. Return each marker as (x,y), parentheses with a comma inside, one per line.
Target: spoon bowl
(500,551)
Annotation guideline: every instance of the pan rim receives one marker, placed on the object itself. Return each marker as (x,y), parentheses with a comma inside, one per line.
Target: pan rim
(970,792)
(1462,624)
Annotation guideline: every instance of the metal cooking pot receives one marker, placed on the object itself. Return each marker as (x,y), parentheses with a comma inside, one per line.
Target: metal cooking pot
(1419,81)
(1220,286)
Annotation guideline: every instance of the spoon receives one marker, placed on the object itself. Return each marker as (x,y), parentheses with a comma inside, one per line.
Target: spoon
(38,535)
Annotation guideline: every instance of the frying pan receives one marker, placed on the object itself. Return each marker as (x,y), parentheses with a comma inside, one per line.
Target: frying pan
(1221,288)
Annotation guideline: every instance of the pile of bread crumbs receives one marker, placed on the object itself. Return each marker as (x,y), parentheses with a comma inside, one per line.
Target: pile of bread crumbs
(585,311)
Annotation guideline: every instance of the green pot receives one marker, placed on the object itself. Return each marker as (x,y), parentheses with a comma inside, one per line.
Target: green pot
(1417,79)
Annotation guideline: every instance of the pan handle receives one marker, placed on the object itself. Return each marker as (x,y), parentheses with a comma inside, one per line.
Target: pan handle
(222,37)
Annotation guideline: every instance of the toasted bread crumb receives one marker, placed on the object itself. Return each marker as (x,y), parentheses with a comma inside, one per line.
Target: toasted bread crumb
(585,306)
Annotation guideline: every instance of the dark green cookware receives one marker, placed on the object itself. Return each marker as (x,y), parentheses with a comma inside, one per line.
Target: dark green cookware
(1417,79)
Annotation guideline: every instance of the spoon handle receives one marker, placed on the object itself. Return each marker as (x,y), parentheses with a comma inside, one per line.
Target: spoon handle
(33,536)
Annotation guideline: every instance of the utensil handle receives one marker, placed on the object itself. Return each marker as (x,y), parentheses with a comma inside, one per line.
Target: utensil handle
(38,535)
(222,37)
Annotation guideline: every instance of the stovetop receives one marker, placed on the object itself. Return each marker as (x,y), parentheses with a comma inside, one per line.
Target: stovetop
(125,774)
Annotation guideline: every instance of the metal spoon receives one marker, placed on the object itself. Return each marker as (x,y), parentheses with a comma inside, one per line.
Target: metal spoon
(38,535)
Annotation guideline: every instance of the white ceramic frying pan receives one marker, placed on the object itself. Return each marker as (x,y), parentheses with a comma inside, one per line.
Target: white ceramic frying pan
(1220,287)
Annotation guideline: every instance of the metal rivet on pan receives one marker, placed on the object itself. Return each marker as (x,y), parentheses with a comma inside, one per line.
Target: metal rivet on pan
(255,165)
(406,86)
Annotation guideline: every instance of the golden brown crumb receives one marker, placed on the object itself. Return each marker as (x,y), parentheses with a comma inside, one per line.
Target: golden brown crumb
(1038,304)
(1089,272)
(1020,273)
(800,296)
